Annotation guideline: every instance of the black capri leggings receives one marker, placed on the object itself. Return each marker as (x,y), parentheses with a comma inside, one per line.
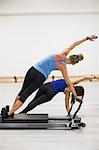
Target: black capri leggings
(33,80)
(44,94)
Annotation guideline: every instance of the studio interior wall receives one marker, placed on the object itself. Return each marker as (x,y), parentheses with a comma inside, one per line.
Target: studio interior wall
(26,37)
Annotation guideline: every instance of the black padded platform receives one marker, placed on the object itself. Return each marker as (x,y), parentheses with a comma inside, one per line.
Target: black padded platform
(25,118)
(24,121)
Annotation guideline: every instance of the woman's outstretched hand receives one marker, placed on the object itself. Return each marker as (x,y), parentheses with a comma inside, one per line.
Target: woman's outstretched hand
(92,37)
(89,77)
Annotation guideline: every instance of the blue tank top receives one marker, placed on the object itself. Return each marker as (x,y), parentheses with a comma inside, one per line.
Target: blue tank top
(59,85)
(46,65)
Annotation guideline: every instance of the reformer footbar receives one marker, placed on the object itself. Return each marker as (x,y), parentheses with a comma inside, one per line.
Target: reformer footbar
(42,121)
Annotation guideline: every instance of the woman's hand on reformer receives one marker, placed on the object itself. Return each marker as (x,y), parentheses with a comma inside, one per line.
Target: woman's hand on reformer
(79,99)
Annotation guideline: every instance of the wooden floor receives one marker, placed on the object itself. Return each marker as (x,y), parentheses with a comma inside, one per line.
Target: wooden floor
(84,139)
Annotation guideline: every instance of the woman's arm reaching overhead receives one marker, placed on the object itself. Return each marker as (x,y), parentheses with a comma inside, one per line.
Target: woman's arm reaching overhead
(76,43)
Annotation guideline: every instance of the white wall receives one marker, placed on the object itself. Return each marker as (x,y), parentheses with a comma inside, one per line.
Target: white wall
(48,6)
(32,29)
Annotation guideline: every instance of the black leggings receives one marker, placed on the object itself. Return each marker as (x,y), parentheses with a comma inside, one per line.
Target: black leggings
(44,94)
(33,80)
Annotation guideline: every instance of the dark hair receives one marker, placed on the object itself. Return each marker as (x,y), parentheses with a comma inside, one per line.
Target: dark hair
(76,58)
(80,92)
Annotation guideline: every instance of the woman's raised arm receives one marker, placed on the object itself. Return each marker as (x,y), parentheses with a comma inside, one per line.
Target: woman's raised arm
(78,42)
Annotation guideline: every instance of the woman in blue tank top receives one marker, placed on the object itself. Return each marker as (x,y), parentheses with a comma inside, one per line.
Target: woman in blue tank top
(38,73)
(48,90)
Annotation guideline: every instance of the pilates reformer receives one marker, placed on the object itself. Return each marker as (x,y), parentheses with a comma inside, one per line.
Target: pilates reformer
(41,121)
